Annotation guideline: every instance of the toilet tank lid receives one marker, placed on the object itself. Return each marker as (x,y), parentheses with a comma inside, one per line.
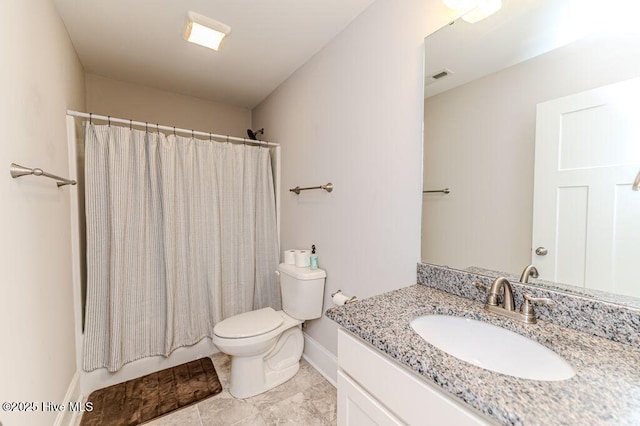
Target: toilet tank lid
(248,324)
(301,273)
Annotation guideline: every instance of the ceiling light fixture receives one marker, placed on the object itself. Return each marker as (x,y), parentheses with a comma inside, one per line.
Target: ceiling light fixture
(205,31)
(474,10)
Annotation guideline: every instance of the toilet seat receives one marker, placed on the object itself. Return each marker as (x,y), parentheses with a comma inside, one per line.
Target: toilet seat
(248,324)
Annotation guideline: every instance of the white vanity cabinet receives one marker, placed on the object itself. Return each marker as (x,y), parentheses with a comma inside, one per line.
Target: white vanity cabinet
(374,390)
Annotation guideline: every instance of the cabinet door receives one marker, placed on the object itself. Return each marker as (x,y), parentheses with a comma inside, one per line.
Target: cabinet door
(357,408)
(411,400)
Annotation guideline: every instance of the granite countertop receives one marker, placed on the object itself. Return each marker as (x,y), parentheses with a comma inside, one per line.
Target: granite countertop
(605,389)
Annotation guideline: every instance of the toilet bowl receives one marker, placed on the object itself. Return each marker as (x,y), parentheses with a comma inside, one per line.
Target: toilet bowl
(266,345)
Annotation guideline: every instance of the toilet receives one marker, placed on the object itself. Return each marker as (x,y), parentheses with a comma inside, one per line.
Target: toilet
(266,345)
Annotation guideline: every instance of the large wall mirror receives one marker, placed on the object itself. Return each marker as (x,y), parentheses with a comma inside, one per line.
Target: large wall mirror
(541,88)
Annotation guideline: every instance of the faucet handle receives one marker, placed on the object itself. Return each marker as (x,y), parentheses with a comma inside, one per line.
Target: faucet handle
(526,309)
(480,285)
(542,300)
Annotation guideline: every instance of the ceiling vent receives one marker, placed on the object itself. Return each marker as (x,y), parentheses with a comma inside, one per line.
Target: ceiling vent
(440,75)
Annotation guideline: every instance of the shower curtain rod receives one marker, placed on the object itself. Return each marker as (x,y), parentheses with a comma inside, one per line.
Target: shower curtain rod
(225,138)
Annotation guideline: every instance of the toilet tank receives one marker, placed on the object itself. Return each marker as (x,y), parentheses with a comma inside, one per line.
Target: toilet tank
(302,291)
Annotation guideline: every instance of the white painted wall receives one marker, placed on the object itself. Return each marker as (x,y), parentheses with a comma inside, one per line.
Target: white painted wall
(479,141)
(106,96)
(40,78)
(352,116)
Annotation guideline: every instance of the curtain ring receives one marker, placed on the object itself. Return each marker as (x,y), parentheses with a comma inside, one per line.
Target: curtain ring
(130,124)
(146,127)
(90,118)
(228,139)
(193,136)
(210,137)
(158,127)
(109,120)
(174,131)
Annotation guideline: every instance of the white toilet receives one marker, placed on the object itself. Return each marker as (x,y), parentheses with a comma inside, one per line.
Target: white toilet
(266,345)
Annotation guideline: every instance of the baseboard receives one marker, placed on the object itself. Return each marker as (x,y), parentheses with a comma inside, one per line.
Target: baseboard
(321,359)
(73,398)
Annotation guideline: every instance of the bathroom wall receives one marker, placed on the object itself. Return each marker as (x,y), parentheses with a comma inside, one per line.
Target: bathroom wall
(353,116)
(489,151)
(40,78)
(106,96)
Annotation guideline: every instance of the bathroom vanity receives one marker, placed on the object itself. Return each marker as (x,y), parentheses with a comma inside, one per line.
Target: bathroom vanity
(388,374)
(375,390)
(500,209)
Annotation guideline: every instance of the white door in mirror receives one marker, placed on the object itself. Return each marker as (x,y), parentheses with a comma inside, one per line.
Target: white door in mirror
(585,213)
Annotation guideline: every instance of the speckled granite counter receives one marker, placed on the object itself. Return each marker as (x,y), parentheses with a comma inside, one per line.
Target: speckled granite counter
(605,389)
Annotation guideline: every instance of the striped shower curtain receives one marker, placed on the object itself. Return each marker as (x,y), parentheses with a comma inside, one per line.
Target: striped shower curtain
(181,233)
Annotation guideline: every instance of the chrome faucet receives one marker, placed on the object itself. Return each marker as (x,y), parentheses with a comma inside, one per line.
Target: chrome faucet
(501,285)
(502,288)
(529,271)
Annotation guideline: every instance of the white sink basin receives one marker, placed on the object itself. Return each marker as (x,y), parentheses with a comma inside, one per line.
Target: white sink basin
(492,348)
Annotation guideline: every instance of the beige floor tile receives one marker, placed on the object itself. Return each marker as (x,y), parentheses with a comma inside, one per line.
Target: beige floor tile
(294,411)
(256,420)
(222,364)
(323,397)
(275,395)
(225,410)
(185,417)
(307,375)
(332,420)
(306,399)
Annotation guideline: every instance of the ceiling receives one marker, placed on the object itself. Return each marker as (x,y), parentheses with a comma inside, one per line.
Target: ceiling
(140,41)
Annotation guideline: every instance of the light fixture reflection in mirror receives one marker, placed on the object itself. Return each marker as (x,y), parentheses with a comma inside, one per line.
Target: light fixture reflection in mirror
(482,128)
(473,11)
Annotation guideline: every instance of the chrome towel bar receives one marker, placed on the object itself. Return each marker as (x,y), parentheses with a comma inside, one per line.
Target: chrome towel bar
(17,170)
(328,187)
(444,191)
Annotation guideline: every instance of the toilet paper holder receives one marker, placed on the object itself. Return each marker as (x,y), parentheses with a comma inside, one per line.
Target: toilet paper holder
(348,299)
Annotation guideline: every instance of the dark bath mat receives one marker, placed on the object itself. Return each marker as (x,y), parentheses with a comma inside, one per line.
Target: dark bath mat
(151,396)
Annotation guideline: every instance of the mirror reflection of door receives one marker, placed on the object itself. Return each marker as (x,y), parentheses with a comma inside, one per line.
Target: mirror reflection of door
(585,212)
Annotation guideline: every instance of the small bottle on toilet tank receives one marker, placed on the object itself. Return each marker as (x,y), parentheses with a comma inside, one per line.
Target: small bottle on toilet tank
(313,259)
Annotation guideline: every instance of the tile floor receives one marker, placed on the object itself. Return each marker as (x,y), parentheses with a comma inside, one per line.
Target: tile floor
(307,399)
